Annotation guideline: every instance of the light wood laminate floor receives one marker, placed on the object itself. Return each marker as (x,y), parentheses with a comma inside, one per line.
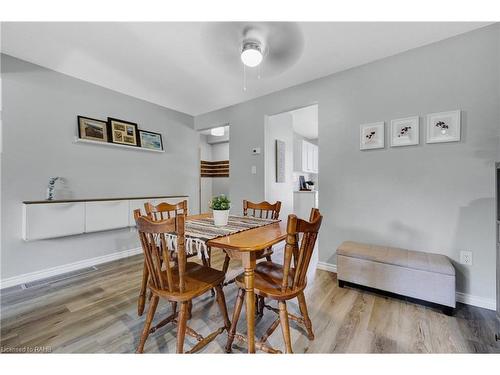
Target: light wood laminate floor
(97,313)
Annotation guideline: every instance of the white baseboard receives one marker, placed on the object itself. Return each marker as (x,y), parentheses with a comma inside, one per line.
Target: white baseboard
(65,268)
(327,267)
(468,299)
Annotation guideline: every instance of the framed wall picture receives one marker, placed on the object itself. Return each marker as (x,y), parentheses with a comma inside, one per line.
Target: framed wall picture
(92,129)
(123,132)
(443,127)
(151,140)
(405,131)
(371,136)
(280,161)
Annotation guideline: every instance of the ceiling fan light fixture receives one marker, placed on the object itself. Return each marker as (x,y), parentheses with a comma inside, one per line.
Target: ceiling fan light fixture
(217,132)
(251,54)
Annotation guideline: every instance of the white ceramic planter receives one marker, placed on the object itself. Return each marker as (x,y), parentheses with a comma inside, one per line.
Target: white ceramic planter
(220,217)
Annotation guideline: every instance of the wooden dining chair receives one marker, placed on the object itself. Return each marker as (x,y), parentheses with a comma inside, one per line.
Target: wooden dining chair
(159,212)
(165,210)
(263,210)
(178,282)
(283,282)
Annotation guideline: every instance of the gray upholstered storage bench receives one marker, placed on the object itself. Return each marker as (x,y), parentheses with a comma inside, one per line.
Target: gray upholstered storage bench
(418,275)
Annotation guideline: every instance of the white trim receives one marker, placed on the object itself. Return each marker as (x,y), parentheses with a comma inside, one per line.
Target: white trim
(65,268)
(468,299)
(137,148)
(327,267)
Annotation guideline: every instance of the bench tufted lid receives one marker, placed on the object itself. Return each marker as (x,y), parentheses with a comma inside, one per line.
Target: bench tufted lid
(419,260)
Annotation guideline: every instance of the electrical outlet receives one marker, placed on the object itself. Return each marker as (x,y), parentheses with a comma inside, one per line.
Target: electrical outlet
(254,169)
(466,258)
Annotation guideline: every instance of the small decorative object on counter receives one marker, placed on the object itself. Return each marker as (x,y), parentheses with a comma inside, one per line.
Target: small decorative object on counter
(220,205)
(310,185)
(302,183)
(51,186)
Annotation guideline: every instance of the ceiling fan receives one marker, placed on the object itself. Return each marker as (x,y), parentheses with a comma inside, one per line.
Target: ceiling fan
(262,49)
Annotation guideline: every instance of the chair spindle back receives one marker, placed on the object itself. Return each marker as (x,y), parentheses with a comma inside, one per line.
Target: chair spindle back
(263,210)
(300,253)
(153,236)
(165,210)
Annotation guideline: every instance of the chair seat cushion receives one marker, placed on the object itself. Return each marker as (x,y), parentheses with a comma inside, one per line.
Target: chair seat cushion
(268,279)
(419,260)
(198,279)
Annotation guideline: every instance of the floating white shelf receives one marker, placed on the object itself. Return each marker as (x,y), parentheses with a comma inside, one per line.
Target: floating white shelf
(79,140)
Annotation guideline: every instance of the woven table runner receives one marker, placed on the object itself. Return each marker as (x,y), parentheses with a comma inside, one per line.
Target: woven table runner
(199,231)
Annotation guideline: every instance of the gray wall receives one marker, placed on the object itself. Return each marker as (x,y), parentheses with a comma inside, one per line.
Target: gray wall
(40,107)
(432,197)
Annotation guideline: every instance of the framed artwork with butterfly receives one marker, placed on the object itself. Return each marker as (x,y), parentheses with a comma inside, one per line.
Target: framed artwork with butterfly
(443,127)
(371,136)
(405,131)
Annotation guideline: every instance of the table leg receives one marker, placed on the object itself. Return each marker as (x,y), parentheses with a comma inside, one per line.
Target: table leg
(248,259)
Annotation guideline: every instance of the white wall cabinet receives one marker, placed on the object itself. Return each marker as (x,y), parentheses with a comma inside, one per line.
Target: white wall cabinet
(305,156)
(106,215)
(43,220)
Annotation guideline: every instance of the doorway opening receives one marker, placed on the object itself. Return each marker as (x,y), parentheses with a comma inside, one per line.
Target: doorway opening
(291,160)
(214,164)
(291,163)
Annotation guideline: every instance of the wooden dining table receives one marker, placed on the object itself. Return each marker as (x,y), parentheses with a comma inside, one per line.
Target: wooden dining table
(244,246)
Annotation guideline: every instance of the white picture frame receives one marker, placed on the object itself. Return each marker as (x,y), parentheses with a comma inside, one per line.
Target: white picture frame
(372,136)
(405,131)
(443,127)
(280,161)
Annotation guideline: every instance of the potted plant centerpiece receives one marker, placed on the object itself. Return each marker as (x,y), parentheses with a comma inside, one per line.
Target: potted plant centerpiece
(220,206)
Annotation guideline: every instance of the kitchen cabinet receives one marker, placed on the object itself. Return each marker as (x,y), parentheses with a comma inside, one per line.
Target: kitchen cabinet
(305,156)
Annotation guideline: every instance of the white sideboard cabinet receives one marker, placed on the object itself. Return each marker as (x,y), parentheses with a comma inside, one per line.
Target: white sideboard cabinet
(60,218)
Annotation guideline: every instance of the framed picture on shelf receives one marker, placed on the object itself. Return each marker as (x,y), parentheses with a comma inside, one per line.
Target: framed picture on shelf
(443,127)
(405,131)
(123,132)
(371,136)
(92,129)
(151,140)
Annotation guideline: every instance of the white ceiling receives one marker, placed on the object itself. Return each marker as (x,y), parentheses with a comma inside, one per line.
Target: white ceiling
(175,64)
(305,121)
